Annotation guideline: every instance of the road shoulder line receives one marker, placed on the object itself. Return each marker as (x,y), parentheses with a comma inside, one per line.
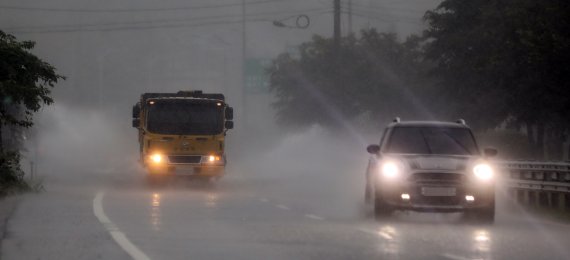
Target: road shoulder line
(315,217)
(119,237)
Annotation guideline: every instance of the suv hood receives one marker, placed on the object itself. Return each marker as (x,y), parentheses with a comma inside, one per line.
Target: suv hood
(436,162)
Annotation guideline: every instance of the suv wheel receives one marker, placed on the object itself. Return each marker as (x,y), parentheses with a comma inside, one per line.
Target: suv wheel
(484,215)
(367,194)
(381,209)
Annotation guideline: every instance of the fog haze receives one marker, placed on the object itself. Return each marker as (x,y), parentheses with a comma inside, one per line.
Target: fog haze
(122,49)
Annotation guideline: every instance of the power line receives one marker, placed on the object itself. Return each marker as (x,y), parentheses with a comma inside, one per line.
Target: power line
(130,10)
(388,10)
(411,21)
(136,28)
(386,13)
(146,27)
(163,21)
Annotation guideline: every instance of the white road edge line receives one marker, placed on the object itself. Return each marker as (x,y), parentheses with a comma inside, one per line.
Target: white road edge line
(454,257)
(283,207)
(315,217)
(117,235)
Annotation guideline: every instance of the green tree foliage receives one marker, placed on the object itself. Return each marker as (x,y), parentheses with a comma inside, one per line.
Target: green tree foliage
(373,76)
(25,81)
(25,85)
(504,60)
(11,175)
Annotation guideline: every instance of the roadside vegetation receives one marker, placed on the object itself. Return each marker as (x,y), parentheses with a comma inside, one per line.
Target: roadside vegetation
(501,65)
(25,86)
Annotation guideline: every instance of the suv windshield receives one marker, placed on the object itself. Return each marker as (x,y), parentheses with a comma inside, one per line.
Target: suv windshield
(185,117)
(432,140)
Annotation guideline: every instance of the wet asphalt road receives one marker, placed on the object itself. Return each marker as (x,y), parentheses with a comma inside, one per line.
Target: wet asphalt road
(254,217)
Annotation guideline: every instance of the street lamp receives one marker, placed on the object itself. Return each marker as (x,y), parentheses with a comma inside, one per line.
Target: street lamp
(301,22)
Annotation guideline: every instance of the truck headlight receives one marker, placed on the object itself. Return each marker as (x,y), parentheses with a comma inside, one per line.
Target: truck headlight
(483,171)
(390,170)
(156,158)
(212,159)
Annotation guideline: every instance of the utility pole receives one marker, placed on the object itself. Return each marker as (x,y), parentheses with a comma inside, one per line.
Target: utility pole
(337,23)
(243,63)
(349,16)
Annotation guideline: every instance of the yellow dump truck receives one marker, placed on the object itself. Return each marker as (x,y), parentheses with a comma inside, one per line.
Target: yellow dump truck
(183,133)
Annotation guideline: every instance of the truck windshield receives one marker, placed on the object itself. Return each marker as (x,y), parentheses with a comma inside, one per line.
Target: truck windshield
(432,140)
(185,117)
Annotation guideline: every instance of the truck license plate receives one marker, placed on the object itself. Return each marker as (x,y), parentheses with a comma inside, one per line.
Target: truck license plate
(438,191)
(183,171)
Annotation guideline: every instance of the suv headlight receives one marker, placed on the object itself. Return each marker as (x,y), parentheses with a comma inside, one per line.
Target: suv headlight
(483,171)
(390,169)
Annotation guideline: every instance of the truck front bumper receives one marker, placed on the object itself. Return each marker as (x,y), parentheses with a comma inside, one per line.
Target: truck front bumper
(188,170)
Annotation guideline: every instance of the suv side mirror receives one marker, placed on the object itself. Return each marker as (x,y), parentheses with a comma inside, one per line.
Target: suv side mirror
(229,113)
(136,123)
(229,124)
(373,149)
(490,152)
(136,110)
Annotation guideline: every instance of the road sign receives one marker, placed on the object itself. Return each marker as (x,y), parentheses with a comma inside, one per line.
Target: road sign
(256,77)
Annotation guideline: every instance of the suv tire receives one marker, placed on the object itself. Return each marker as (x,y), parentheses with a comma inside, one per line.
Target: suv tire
(381,209)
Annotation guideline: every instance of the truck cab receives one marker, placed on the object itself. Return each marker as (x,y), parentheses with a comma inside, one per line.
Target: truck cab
(183,133)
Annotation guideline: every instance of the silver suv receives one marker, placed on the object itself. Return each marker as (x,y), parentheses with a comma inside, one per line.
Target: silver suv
(430,166)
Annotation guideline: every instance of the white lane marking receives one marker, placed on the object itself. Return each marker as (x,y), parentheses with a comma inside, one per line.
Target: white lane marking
(383,234)
(552,223)
(283,207)
(367,231)
(315,217)
(454,257)
(117,235)
(264,200)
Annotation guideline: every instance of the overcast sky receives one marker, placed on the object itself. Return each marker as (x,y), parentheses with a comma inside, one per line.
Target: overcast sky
(111,51)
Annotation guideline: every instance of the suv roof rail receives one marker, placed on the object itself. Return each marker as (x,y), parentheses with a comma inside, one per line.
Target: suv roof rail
(396,120)
(460,121)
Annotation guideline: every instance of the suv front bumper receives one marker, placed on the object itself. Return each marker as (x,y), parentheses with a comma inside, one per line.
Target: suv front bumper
(418,199)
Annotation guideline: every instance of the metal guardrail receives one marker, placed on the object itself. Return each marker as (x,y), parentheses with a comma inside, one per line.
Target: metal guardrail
(554,176)
(539,183)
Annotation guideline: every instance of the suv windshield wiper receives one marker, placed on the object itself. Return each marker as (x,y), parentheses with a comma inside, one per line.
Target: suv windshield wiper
(426,142)
(457,142)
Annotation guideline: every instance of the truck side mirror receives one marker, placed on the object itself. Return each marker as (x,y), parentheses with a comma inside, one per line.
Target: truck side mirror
(136,123)
(136,110)
(229,124)
(229,113)
(373,149)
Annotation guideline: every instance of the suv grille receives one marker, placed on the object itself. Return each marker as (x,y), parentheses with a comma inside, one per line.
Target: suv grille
(184,158)
(439,201)
(439,177)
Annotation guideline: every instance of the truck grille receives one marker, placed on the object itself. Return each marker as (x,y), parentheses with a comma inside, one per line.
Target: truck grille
(184,159)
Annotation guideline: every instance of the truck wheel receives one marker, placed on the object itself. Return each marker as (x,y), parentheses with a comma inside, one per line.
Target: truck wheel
(381,209)
(153,180)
